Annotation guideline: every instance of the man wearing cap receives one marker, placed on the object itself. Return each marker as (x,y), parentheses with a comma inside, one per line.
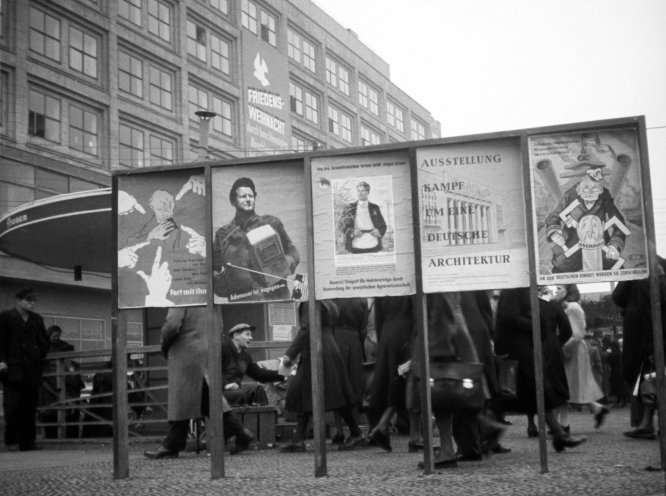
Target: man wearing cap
(237,363)
(185,340)
(586,228)
(252,255)
(23,346)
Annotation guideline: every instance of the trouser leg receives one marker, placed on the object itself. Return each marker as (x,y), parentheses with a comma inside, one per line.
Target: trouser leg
(466,434)
(11,404)
(176,438)
(348,416)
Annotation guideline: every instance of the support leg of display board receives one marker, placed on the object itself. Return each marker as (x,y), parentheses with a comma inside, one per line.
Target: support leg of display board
(215,325)
(215,425)
(655,293)
(534,302)
(314,318)
(119,374)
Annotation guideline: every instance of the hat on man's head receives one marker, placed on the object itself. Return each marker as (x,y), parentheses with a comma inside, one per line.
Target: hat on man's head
(26,294)
(240,328)
(241,182)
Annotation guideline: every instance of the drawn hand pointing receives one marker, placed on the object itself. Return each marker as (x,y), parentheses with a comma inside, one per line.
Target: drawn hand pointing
(158,282)
(197,243)
(127,204)
(127,257)
(195,184)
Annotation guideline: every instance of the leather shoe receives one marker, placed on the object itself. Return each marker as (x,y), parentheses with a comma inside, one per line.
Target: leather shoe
(452,463)
(498,449)
(600,417)
(470,457)
(568,441)
(381,440)
(532,431)
(243,441)
(413,447)
(293,447)
(353,442)
(159,453)
(640,434)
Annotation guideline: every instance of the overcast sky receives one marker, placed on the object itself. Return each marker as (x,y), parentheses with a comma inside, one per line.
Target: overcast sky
(486,65)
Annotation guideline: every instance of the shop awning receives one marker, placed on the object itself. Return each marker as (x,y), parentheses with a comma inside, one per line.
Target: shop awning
(65,231)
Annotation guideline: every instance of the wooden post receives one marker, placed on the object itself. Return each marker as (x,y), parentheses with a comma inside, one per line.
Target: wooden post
(421,322)
(214,326)
(314,317)
(655,297)
(534,301)
(118,357)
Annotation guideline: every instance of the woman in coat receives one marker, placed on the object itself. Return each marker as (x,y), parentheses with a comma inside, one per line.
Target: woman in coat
(338,393)
(394,321)
(513,337)
(583,386)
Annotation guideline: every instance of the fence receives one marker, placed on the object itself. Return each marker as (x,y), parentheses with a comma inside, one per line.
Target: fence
(77,399)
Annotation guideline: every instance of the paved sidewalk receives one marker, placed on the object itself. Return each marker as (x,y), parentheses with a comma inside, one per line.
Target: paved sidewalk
(608,464)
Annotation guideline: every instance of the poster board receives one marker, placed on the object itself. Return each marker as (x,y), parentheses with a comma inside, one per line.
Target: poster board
(161,244)
(362,218)
(588,197)
(259,240)
(472,216)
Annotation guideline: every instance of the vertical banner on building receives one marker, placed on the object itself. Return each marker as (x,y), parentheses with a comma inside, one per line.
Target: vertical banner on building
(588,203)
(362,215)
(472,216)
(161,239)
(266,98)
(259,245)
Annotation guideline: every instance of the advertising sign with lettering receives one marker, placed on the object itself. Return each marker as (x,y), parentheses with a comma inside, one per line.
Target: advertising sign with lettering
(259,245)
(363,232)
(266,87)
(161,239)
(472,216)
(588,207)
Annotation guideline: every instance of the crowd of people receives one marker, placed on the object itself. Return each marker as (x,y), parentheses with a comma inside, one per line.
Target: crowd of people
(581,369)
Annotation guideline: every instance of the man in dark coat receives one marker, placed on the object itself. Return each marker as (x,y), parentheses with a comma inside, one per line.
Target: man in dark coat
(633,297)
(185,340)
(23,347)
(237,363)
(363,223)
(252,255)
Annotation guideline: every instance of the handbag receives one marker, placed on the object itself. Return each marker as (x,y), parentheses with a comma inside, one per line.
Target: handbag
(457,386)
(507,372)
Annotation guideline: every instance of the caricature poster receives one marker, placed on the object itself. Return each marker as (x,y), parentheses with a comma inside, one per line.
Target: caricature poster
(472,216)
(161,239)
(259,245)
(363,233)
(588,212)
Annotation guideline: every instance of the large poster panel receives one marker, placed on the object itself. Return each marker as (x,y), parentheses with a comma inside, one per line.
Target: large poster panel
(363,235)
(472,216)
(588,207)
(259,246)
(161,239)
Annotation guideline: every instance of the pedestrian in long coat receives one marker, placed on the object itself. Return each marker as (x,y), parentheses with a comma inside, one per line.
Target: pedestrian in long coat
(513,337)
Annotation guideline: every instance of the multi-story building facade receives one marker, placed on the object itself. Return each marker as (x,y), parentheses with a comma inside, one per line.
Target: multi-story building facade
(92,86)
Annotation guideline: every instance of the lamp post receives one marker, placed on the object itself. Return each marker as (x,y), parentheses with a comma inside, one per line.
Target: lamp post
(204,125)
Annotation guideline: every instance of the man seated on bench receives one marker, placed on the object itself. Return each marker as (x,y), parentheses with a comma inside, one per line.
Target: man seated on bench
(237,363)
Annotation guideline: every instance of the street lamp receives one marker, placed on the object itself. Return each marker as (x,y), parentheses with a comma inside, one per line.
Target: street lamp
(204,124)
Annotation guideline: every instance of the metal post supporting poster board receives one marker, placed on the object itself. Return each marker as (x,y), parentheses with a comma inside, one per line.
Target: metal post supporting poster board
(118,363)
(536,314)
(314,320)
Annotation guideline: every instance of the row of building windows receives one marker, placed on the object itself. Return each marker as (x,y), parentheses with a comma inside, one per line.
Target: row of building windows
(206,46)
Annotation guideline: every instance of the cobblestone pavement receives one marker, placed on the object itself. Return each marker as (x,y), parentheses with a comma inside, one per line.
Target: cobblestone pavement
(608,464)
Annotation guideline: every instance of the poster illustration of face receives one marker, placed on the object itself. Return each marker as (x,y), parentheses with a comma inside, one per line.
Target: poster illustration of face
(588,215)
(472,216)
(161,239)
(259,245)
(362,225)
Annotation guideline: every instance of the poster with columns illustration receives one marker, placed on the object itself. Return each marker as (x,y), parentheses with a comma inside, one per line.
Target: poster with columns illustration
(472,216)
